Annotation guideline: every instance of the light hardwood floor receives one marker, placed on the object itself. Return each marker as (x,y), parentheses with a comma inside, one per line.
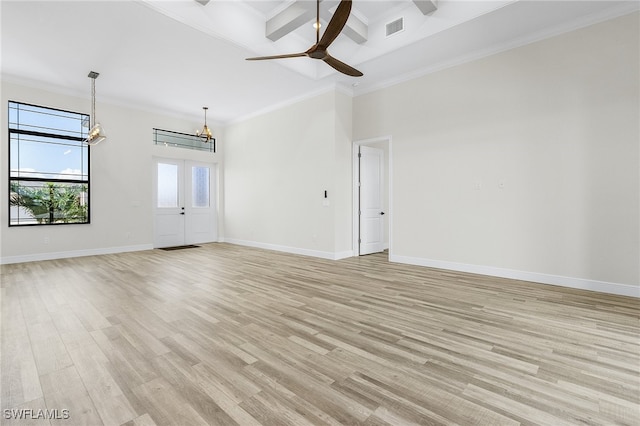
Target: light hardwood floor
(224,334)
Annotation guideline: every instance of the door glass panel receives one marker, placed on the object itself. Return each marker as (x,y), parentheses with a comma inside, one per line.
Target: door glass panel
(167,185)
(200,186)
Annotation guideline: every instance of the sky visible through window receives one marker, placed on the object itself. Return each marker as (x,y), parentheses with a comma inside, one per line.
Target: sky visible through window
(44,157)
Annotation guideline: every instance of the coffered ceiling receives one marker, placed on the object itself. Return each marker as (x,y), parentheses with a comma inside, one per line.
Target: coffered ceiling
(177,56)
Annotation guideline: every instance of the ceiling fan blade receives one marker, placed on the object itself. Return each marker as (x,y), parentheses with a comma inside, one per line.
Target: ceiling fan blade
(337,23)
(342,67)
(290,55)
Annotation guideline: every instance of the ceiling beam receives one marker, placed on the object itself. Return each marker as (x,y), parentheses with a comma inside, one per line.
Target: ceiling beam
(426,6)
(301,12)
(291,18)
(355,29)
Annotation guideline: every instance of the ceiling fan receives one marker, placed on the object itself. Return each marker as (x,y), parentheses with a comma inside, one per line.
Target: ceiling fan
(319,50)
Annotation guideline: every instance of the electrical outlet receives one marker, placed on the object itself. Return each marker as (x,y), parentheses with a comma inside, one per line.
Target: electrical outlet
(46,240)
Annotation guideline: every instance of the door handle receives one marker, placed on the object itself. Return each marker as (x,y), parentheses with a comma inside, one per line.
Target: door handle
(181,212)
(381,213)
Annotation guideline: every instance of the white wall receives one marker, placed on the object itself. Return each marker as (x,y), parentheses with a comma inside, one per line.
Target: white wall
(121,182)
(277,167)
(521,164)
(342,197)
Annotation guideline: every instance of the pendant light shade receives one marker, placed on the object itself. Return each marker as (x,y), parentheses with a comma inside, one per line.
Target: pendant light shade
(96,134)
(205,134)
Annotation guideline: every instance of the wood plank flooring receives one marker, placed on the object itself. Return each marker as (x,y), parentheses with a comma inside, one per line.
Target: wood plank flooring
(229,335)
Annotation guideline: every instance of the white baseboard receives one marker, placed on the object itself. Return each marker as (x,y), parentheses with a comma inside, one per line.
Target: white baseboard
(579,283)
(73,253)
(342,254)
(292,250)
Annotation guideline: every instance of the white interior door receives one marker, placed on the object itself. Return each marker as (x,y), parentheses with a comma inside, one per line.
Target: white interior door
(169,203)
(371,176)
(200,203)
(184,200)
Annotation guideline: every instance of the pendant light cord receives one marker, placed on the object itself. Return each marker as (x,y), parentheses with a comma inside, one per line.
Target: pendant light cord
(93,75)
(93,102)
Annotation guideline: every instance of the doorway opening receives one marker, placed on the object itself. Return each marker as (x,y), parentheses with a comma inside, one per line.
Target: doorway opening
(184,199)
(371,196)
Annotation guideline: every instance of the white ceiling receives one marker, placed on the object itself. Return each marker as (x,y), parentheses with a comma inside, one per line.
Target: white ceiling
(177,56)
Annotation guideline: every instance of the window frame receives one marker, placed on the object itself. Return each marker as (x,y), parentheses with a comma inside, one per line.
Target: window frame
(45,180)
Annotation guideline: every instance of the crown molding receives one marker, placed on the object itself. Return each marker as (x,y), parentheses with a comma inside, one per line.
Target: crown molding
(582,22)
(82,95)
(333,87)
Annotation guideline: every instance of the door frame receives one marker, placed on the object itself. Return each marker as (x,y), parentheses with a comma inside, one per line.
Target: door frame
(215,198)
(356,199)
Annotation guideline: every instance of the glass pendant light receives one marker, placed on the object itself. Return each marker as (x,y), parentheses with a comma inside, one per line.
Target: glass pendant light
(96,134)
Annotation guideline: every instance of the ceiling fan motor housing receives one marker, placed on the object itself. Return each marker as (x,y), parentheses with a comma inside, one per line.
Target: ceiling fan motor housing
(318,54)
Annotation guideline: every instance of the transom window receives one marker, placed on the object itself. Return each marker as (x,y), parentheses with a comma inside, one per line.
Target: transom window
(48,166)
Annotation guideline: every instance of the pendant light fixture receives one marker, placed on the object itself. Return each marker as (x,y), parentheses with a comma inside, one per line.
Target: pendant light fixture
(205,134)
(96,134)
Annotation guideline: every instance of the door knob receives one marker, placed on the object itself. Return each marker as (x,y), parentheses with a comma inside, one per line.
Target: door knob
(181,212)
(381,213)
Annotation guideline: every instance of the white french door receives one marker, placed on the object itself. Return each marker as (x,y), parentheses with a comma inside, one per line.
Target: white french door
(371,181)
(184,203)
